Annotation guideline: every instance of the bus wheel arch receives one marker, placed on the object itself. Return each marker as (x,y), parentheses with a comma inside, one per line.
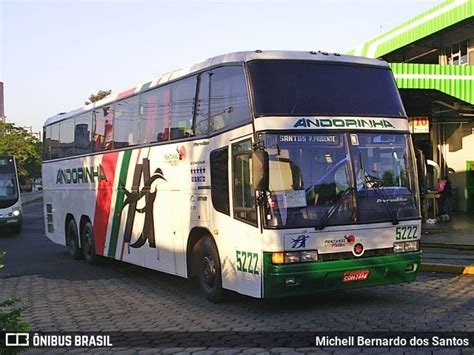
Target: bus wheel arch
(204,262)
(195,239)
(71,236)
(210,270)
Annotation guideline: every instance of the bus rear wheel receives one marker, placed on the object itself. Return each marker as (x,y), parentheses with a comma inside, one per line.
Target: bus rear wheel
(88,244)
(209,272)
(72,240)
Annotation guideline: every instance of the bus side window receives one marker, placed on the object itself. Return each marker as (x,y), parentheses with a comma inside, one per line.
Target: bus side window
(126,122)
(182,108)
(54,148)
(47,143)
(66,138)
(229,99)
(220,180)
(244,198)
(103,125)
(154,110)
(82,134)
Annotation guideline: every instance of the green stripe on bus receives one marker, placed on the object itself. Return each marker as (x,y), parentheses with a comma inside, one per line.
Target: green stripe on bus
(145,86)
(119,203)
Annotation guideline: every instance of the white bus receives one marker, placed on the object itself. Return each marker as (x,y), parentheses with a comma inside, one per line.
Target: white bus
(266,173)
(10,202)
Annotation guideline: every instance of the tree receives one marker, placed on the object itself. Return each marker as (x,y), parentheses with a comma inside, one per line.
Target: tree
(24,146)
(99,96)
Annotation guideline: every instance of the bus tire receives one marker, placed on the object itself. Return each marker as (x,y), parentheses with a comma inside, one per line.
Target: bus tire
(209,271)
(88,244)
(72,240)
(16,229)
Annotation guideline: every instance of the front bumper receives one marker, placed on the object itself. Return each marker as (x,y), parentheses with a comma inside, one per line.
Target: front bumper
(11,221)
(307,278)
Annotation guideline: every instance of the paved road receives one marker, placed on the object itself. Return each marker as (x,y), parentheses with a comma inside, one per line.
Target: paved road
(67,295)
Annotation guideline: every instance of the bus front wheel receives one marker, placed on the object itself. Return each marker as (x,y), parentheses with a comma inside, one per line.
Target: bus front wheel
(72,240)
(209,273)
(88,244)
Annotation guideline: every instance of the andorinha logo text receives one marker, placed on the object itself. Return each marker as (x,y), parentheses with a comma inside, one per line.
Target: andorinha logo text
(81,175)
(343,123)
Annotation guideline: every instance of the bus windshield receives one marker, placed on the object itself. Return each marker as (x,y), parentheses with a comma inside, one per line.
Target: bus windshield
(322,179)
(8,189)
(8,182)
(311,88)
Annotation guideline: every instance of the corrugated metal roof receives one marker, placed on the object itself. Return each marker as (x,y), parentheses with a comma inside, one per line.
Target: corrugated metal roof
(454,80)
(434,20)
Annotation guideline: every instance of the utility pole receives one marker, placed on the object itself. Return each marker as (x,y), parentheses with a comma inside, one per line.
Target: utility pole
(2,104)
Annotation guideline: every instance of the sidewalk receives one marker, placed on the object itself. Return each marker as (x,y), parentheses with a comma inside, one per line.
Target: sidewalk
(27,197)
(449,246)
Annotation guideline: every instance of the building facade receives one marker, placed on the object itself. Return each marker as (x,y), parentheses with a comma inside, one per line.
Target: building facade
(432,58)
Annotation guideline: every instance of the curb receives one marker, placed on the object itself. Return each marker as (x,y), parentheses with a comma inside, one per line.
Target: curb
(30,196)
(429,231)
(447,246)
(447,268)
(469,270)
(32,200)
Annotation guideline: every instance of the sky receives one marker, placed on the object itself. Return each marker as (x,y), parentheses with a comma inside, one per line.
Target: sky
(54,54)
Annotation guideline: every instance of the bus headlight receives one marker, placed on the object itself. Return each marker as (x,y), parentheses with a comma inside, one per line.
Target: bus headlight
(413,245)
(309,255)
(401,247)
(16,212)
(293,257)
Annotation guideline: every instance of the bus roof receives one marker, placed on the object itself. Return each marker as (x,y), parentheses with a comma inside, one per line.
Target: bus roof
(236,57)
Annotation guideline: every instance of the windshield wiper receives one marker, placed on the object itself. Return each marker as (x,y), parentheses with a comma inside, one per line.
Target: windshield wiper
(374,184)
(330,212)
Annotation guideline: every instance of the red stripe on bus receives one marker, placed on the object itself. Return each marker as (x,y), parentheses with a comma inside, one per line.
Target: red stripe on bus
(126,93)
(123,241)
(103,201)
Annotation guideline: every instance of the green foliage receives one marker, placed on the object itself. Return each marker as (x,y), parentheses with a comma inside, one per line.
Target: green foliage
(24,146)
(99,96)
(10,314)
(10,318)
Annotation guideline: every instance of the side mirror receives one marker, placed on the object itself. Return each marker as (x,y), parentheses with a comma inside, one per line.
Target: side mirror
(260,170)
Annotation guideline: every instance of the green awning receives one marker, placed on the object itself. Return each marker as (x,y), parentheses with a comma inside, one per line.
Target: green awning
(454,80)
(434,20)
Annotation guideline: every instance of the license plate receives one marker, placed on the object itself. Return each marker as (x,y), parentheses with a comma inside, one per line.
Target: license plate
(11,220)
(351,276)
